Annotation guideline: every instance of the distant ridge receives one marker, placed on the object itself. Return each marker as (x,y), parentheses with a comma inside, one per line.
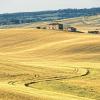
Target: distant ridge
(29,17)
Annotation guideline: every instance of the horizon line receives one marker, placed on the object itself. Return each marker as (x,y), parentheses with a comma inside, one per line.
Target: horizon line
(47,10)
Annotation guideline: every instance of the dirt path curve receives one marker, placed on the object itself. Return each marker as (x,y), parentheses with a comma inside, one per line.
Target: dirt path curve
(77,72)
(27,90)
(82,72)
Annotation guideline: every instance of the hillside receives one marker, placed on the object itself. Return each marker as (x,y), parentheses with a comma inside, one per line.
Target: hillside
(84,24)
(49,65)
(29,17)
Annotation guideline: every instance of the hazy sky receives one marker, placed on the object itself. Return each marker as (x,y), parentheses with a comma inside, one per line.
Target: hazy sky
(8,6)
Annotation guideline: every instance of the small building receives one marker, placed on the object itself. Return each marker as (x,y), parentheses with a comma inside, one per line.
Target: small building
(55,26)
(71,29)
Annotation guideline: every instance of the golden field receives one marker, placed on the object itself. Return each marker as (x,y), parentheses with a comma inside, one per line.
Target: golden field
(49,65)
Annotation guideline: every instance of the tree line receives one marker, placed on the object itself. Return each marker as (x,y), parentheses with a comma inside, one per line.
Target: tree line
(29,17)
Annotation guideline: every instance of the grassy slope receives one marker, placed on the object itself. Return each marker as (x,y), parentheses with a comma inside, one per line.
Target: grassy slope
(56,61)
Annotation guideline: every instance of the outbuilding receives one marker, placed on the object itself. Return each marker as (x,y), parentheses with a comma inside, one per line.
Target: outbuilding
(71,29)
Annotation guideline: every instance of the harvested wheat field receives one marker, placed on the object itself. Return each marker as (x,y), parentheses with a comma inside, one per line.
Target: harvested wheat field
(49,65)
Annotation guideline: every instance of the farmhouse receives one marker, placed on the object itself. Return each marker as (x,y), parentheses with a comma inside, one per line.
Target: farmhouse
(55,26)
(71,29)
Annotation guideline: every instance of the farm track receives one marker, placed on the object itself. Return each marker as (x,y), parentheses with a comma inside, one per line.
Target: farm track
(86,72)
(79,73)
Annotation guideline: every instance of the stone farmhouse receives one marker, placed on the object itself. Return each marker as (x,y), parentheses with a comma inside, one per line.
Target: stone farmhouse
(55,26)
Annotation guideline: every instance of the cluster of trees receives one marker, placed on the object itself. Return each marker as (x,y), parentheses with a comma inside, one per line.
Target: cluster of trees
(28,17)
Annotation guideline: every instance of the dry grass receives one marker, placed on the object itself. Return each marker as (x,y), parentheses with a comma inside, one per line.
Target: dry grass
(49,65)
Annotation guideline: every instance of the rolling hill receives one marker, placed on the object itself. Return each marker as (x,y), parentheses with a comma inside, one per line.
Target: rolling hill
(49,65)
